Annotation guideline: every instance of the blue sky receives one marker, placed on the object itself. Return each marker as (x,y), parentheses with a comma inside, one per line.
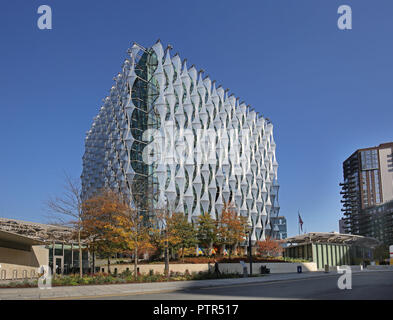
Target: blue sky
(327,91)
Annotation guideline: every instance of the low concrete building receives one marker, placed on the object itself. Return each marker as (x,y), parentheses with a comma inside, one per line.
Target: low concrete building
(25,246)
(20,256)
(331,248)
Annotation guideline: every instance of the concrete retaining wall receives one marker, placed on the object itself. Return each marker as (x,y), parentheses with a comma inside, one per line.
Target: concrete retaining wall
(382,267)
(14,271)
(224,267)
(353,268)
(145,268)
(274,267)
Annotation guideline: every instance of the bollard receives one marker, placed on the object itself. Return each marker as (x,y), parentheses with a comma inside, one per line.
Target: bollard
(245,273)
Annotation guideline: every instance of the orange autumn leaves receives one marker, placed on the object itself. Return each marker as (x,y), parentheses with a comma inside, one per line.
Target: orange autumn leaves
(111,226)
(269,247)
(230,227)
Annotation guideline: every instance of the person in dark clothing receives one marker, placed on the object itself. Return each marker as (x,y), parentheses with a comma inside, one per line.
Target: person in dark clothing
(216,268)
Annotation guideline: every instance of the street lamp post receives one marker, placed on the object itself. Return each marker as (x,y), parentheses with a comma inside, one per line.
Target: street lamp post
(166,249)
(249,231)
(250,251)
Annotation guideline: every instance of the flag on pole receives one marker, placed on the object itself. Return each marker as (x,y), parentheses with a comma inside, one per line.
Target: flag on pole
(225,252)
(300,221)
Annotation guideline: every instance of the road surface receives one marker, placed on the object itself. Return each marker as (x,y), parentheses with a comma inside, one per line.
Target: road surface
(368,285)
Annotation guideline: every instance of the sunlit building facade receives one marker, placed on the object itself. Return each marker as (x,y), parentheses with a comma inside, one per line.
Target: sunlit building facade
(367,189)
(168,136)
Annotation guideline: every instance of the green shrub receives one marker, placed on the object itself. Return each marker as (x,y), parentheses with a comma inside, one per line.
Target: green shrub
(126,273)
(13,284)
(83,280)
(125,277)
(295,260)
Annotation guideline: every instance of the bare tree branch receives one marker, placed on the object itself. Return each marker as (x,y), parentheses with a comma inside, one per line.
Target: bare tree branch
(66,210)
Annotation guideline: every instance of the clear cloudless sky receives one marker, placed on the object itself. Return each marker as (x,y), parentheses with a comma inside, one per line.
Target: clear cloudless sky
(328,92)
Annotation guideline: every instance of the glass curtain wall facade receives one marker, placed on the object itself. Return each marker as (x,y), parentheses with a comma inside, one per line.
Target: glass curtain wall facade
(280,227)
(367,187)
(64,258)
(166,136)
(380,222)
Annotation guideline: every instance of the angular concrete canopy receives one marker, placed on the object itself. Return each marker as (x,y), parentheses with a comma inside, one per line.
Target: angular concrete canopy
(334,237)
(16,241)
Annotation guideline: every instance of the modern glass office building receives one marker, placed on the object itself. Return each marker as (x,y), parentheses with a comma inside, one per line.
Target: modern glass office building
(168,136)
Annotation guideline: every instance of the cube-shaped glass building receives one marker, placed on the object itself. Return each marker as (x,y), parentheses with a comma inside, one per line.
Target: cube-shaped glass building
(167,136)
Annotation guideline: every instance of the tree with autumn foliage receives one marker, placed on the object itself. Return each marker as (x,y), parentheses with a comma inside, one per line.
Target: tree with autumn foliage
(269,247)
(181,233)
(159,234)
(98,218)
(131,233)
(230,227)
(206,230)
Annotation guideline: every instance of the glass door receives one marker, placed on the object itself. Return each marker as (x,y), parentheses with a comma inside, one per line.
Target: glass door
(59,267)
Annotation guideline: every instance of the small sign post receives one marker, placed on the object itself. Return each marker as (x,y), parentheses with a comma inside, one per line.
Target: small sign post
(245,273)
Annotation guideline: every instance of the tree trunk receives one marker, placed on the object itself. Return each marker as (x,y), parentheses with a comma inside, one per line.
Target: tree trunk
(136,262)
(94,262)
(182,254)
(235,249)
(166,255)
(80,254)
(109,264)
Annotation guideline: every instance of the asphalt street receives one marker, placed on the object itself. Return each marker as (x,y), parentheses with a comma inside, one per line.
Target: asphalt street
(368,285)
